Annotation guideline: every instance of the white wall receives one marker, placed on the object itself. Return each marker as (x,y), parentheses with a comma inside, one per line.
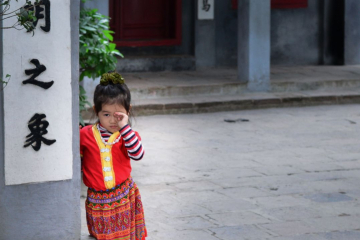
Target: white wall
(21,102)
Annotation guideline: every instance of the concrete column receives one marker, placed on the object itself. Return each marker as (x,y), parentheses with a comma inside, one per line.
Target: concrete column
(352,32)
(254,44)
(47,210)
(204,41)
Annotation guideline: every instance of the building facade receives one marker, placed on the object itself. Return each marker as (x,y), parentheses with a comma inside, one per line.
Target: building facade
(305,32)
(156,35)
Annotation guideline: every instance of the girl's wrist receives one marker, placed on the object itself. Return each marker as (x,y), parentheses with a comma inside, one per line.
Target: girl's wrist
(122,126)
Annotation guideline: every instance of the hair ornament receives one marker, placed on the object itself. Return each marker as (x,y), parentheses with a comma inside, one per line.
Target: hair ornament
(113,77)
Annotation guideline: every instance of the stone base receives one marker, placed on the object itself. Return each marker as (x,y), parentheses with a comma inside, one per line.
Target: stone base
(156,63)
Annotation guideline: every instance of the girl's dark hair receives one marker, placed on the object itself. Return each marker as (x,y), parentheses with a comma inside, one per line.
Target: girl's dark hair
(112,94)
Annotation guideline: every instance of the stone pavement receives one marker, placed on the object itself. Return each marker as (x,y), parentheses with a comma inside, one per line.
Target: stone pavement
(288,173)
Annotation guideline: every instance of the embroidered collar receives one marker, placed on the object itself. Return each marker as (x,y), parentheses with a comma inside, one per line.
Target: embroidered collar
(105,135)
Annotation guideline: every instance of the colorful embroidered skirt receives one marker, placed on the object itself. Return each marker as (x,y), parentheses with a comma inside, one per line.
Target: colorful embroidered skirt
(117,213)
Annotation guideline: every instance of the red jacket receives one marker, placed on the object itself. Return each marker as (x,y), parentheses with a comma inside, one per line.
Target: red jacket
(103,169)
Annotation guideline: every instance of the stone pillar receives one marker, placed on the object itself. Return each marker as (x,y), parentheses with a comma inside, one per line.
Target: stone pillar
(204,39)
(254,43)
(352,32)
(32,207)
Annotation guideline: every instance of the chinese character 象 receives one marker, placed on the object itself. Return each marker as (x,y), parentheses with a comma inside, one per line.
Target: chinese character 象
(37,126)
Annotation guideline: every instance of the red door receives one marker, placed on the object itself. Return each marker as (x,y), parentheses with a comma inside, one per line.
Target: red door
(146,22)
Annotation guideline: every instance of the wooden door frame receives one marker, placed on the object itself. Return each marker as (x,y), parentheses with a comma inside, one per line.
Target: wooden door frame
(164,42)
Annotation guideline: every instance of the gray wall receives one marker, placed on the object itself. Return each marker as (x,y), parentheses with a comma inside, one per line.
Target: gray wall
(226,34)
(352,32)
(302,36)
(205,46)
(216,40)
(46,210)
(101,5)
(296,35)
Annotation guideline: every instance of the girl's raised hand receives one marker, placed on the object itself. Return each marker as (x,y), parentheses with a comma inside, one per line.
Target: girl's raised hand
(122,119)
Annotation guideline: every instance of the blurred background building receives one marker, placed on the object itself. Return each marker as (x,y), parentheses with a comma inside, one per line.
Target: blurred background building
(156,35)
(220,49)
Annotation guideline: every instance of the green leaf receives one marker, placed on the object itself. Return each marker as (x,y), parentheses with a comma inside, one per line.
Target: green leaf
(89,28)
(112,47)
(107,34)
(82,90)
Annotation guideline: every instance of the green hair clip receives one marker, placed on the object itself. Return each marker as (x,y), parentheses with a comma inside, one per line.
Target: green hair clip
(113,77)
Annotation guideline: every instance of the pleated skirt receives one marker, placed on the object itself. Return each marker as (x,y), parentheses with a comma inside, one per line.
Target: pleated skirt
(116,214)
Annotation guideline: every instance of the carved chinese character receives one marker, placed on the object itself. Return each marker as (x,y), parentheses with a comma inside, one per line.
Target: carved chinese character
(206,5)
(37,126)
(36,72)
(39,14)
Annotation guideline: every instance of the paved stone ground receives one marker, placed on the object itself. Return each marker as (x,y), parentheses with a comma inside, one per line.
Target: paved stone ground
(289,173)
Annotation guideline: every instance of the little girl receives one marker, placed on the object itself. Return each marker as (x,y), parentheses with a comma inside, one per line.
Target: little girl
(113,205)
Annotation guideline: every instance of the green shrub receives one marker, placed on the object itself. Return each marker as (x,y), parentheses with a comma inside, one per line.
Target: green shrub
(97,54)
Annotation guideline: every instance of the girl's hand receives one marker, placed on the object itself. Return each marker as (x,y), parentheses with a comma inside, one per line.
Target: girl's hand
(122,119)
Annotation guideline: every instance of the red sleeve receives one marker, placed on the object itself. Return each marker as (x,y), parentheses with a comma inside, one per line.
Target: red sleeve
(138,135)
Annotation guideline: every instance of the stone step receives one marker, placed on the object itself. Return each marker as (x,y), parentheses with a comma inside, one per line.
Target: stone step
(246,100)
(203,104)
(210,90)
(236,88)
(188,90)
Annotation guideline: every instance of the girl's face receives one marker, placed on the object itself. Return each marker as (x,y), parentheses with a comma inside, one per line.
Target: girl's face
(106,116)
